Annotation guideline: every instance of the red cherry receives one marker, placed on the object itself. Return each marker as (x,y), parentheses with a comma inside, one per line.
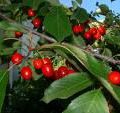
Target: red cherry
(18,34)
(81,28)
(16,58)
(114,77)
(62,71)
(56,77)
(78,28)
(26,73)
(37,22)
(75,29)
(31,12)
(37,63)
(46,61)
(47,70)
(93,31)
(70,71)
(97,36)
(102,30)
(87,35)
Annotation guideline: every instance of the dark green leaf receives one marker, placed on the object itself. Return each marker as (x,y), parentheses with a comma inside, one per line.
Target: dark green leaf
(112,39)
(4,25)
(81,15)
(5,2)
(67,86)
(97,68)
(3,84)
(32,3)
(104,8)
(77,40)
(107,52)
(35,3)
(90,102)
(57,24)
(7,51)
(79,1)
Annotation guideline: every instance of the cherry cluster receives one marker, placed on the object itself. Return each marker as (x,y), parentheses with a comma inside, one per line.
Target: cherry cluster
(44,64)
(37,22)
(92,33)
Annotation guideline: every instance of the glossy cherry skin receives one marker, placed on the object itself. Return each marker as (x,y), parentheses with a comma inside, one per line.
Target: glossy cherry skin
(47,70)
(47,61)
(16,58)
(87,35)
(18,34)
(37,63)
(102,30)
(114,77)
(37,22)
(62,71)
(97,36)
(93,31)
(26,73)
(31,12)
(78,29)
(70,71)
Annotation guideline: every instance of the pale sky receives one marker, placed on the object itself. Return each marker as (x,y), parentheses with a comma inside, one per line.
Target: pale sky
(90,4)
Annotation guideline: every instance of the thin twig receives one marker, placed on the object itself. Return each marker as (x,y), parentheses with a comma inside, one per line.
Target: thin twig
(50,39)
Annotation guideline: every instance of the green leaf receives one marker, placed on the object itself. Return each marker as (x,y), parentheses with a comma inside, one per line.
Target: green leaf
(57,24)
(90,102)
(113,89)
(7,51)
(67,86)
(104,8)
(107,52)
(81,15)
(3,84)
(112,39)
(4,25)
(35,3)
(5,2)
(54,2)
(77,40)
(97,68)
(79,1)
(32,3)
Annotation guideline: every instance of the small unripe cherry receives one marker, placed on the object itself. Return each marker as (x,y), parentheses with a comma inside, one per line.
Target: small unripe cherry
(37,22)
(114,77)
(18,34)
(31,12)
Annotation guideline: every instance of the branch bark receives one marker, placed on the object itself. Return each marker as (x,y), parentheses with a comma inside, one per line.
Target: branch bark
(50,39)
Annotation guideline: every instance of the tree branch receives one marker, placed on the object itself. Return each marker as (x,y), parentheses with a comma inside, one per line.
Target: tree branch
(50,39)
(102,57)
